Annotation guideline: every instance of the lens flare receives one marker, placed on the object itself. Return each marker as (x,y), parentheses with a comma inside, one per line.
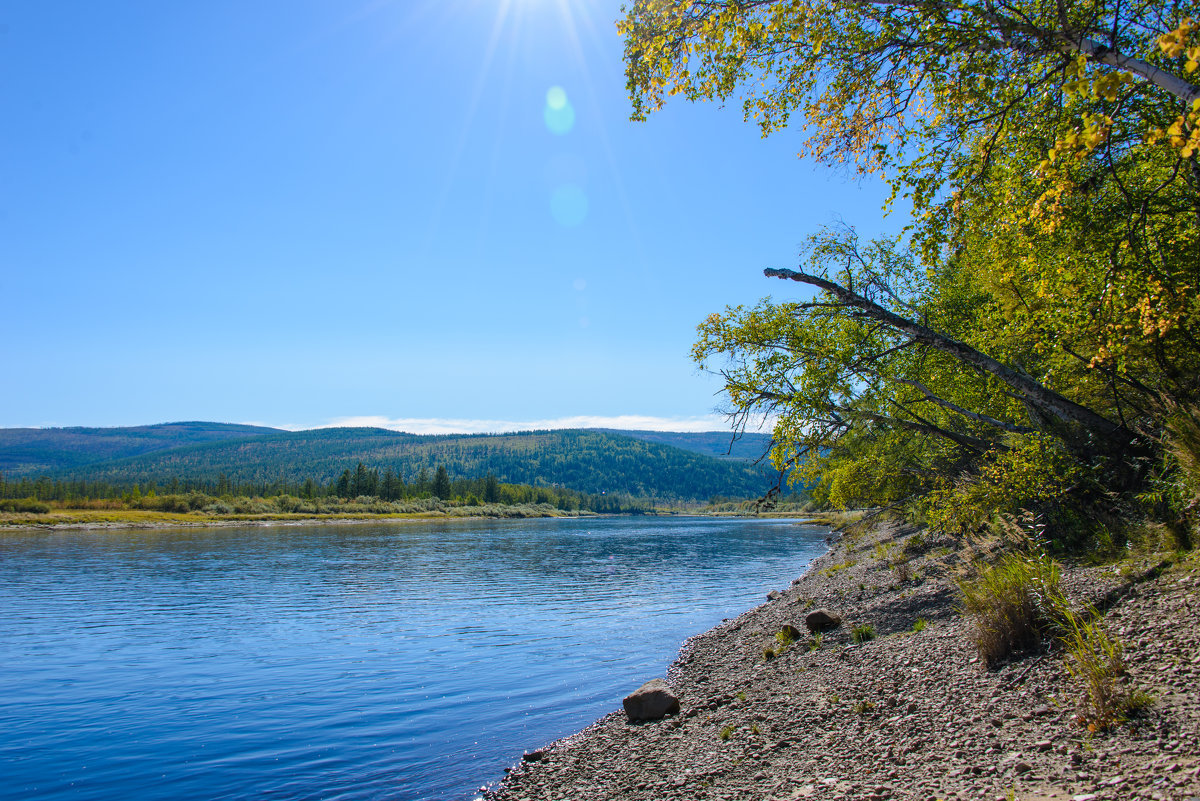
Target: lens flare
(558,114)
(568,205)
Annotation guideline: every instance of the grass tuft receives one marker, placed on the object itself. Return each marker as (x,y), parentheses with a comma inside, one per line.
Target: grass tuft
(1096,660)
(1016,604)
(862,632)
(1013,603)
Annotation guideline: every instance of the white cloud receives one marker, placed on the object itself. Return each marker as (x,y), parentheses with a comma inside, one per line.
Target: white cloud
(438,425)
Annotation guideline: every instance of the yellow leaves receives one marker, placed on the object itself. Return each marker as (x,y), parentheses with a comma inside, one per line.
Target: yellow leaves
(1173,43)
(1107,85)
(1102,357)
(1070,149)
(1159,311)
(1183,133)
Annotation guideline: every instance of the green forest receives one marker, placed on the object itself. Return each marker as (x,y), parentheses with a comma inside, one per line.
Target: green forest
(569,469)
(1028,345)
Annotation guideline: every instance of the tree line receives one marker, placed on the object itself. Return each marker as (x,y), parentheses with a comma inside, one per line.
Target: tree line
(361,482)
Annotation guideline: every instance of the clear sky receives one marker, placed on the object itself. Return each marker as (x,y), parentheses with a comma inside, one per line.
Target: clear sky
(429,214)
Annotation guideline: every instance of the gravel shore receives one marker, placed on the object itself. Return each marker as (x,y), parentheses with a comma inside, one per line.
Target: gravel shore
(908,714)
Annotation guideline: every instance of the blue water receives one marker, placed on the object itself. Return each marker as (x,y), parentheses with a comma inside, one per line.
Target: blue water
(373,661)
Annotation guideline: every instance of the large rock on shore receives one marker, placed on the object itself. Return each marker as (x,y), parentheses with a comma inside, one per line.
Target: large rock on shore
(652,701)
(821,620)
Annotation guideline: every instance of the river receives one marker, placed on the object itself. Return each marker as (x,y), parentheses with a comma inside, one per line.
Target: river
(367,661)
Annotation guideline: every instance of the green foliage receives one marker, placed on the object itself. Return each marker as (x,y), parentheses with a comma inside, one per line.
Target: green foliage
(1032,472)
(920,625)
(726,732)
(1022,345)
(28,505)
(441,483)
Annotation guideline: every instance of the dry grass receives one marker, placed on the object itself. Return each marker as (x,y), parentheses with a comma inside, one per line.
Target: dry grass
(1013,603)
(1017,605)
(1095,659)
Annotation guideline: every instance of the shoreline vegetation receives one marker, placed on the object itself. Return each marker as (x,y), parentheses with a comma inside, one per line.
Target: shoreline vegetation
(52,516)
(921,691)
(361,493)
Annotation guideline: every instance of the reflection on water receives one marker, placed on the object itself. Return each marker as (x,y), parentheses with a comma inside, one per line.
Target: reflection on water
(397,661)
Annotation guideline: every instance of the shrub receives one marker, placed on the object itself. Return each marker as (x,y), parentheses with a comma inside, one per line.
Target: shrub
(1013,604)
(1016,604)
(29,505)
(288,503)
(164,503)
(1034,474)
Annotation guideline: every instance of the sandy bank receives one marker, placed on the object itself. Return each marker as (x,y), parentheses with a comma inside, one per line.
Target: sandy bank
(909,714)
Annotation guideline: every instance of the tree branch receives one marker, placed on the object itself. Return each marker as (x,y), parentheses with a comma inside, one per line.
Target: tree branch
(1030,390)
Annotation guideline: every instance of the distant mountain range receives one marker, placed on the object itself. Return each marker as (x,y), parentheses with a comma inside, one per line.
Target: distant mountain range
(641,463)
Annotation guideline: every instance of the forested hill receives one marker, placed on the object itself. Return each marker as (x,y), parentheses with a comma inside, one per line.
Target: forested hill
(38,451)
(748,446)
(589,461)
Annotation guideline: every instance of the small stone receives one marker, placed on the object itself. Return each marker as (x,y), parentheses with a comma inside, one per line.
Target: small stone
(1042,745)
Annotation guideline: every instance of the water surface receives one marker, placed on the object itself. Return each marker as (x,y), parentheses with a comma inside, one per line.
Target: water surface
(372,661)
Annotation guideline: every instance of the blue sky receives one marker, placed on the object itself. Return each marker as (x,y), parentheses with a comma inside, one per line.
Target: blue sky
(429,215)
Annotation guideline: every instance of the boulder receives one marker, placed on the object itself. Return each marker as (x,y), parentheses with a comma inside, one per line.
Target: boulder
(821,620)
(774,595)
(652,701)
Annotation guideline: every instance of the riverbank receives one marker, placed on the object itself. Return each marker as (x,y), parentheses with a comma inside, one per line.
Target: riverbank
(85,519)
(88,519)
(910,713)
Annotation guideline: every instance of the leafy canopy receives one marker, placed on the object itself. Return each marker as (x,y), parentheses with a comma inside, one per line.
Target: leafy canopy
(1022,344)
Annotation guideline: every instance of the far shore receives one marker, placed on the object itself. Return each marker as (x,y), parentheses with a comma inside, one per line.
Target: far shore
(106,520)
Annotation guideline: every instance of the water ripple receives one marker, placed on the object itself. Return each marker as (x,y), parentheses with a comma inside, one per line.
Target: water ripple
(345,662)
